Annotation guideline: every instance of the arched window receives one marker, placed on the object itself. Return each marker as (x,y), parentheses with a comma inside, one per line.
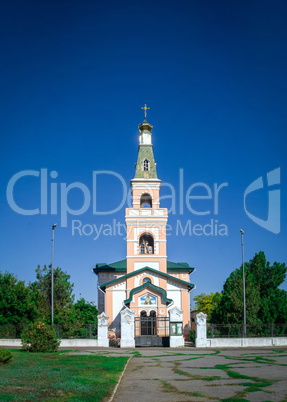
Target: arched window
(145,165)
(146,201)
(146,244)
(145,280)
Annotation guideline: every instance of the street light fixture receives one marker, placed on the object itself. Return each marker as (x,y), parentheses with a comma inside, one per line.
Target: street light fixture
(52,274)
(243,283)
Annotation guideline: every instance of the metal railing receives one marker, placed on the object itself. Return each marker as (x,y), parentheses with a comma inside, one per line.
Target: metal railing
(89,331)
(252,330)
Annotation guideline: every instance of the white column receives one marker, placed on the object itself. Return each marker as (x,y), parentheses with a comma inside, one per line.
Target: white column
(200,340)
(176,338)
(127,328)
(103,339)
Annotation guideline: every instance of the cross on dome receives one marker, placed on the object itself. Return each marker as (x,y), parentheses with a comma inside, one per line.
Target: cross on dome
(145,108)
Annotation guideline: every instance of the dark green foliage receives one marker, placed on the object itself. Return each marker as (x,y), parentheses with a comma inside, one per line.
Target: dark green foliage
(39,337)
(86,319)
(5,355)
(64,313)
(192,335)
(7,331)
(86,312)
(17,307)
(265,302)
(20,305)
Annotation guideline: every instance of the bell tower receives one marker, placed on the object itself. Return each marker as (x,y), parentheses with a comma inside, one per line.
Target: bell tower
(146,221)
(145,282)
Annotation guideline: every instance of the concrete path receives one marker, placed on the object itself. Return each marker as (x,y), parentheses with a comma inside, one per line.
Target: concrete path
(188,374)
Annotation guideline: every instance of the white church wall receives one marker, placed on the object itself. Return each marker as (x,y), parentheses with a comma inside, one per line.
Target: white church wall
(120,286)
(118,297)
(175,295)
(172,286)
(139,265)
(138,279)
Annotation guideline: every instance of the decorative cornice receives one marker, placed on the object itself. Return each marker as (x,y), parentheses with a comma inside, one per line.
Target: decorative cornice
(151,287)
(189,285)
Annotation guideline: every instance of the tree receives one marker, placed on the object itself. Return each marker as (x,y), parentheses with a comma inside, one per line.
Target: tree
(86,319)
(273,306)
(86,312)
(207,303)
(230,308)
(265,303)
(17,307)
(64,312)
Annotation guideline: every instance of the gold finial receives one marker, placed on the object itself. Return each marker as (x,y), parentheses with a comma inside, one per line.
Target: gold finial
(145,108)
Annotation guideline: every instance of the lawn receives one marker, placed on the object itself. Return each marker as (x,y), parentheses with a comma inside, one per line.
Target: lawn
(59,377)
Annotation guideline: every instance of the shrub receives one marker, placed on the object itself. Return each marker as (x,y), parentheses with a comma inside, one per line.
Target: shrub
(39,337)
(192,334)
(5,355)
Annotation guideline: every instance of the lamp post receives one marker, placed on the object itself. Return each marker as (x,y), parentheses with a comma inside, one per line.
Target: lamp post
(243,283)
(52,274)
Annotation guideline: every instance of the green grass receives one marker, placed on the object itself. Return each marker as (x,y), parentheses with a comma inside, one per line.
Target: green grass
(169,388)
(59,377)
(136,353)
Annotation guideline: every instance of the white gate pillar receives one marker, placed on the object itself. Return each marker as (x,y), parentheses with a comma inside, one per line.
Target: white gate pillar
(176,338)
(200,340)
(103,339)
(127,328)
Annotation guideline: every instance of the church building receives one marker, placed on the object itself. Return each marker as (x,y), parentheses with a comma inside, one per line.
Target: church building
(146,282)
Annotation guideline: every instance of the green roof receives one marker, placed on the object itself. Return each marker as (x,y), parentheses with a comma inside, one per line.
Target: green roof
(121,266)
(145,152)
(188,284)
(151,287)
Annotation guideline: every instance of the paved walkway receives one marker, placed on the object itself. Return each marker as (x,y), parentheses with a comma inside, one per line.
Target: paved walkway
(188,374)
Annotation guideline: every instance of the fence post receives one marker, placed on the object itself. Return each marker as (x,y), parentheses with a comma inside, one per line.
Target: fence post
(127,328)
(103,339)
(176,338)
(272,329)
(200,340)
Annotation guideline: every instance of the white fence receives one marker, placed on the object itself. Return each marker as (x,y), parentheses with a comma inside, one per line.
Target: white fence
(202,341)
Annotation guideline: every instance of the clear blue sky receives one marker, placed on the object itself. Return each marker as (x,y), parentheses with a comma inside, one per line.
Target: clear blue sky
(74,75)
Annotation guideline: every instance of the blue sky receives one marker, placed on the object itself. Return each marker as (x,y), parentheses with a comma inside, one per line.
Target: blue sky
(74,76)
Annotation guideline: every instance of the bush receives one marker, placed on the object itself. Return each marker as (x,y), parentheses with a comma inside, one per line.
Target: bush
(5,355)
(192,335)
(39,337)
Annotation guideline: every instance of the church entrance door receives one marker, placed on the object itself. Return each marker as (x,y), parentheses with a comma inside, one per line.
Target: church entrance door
(151,330)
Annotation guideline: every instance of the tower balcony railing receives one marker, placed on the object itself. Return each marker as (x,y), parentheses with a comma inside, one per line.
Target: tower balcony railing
(158,212)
